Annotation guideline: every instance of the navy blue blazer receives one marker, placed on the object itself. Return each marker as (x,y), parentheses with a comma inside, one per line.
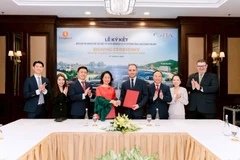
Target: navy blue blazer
(161,104)
(204,101)
(141,86)
(29,92)
(79,105)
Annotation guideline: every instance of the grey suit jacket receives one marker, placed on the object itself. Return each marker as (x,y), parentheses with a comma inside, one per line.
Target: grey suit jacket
(204,101)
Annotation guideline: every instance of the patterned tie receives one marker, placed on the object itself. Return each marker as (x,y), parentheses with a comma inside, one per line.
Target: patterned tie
(132,83)
(200,78)
(41,97)
(83,85)
(157,88)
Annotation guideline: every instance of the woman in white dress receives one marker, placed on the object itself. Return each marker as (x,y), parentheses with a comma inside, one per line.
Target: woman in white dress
(179,99)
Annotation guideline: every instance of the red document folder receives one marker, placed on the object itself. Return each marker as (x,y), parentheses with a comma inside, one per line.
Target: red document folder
(130,98)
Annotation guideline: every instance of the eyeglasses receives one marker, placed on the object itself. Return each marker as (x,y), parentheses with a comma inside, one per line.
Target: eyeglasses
(203,66)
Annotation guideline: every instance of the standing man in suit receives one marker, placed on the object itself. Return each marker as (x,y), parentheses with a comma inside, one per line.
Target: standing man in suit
(136,84)
(36,90)
(80,94)
(202,87)
(159,96)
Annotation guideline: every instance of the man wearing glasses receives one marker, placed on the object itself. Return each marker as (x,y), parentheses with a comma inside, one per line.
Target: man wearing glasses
(202,87)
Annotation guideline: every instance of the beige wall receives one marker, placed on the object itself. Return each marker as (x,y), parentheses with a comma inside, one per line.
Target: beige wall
(38,51)
(2,64)
(195,52)
(233,56)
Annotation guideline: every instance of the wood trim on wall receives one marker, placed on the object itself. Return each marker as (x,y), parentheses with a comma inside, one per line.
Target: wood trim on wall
(46,25)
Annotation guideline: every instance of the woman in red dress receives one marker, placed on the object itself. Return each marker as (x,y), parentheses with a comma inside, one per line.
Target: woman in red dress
(108,93)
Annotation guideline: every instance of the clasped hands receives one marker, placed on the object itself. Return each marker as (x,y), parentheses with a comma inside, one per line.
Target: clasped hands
(116,103)
(65,91)
(178,95)
(88,92)
(195,84)
(156,95)
(42,87)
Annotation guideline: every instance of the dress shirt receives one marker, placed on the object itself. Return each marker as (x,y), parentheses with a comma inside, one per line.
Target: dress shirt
(37,91)
(134,81)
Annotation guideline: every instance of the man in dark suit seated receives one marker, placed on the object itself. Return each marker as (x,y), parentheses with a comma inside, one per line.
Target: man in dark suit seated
(36,90)
(202,87)
(134,83)
(80,94)
(159,95)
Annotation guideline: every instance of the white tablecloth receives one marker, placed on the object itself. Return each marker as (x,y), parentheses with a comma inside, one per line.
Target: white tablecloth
(20,136)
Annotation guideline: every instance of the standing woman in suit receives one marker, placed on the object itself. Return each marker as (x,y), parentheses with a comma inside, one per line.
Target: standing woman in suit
(59,97)
(105,106)
(36,90)
(179,99)
(159,96)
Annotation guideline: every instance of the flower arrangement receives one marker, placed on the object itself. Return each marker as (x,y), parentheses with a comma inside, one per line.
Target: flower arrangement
(122,124)
(133,154)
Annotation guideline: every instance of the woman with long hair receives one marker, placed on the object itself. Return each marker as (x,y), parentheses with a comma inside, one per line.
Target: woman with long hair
(59,97)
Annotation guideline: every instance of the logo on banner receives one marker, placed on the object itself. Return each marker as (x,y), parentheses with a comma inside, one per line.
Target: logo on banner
(163,35)
(65,35)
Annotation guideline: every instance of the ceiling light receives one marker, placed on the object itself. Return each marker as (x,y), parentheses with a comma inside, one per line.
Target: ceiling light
(146,13)
(87,13)
(119,7)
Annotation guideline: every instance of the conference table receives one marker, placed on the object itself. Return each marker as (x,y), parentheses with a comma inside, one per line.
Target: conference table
(45,139)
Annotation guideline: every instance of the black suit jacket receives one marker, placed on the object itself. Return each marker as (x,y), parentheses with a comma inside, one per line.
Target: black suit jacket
(79,105)
(140,85)
(60,104)
(161,104)
(204,101)
(29,92)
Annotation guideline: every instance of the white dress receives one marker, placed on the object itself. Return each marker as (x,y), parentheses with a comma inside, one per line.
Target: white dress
(176,108)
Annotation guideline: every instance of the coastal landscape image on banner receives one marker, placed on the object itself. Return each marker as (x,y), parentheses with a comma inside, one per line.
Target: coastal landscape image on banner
(113,49)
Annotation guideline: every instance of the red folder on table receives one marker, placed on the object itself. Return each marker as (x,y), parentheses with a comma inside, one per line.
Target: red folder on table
(130,98)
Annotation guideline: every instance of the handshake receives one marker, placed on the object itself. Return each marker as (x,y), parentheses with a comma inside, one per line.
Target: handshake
(116,103)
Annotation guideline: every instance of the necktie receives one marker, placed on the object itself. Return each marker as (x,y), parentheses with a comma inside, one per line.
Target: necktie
(157,88)
(132,83)
(200,78)
(83,85)
(41,97)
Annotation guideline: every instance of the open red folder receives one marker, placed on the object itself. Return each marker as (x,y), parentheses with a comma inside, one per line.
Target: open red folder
(130,98)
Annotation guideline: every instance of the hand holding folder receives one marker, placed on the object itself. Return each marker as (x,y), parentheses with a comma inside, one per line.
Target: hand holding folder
(130,98)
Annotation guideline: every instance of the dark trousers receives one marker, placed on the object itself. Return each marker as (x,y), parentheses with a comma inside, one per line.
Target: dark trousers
(41,112)
(131,114)
(77,117)
(198,115)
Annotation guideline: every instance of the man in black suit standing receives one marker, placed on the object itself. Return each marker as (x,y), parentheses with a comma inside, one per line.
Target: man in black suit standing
(80,94)
(134,83)
(36,90)
(159,96)
(202,87)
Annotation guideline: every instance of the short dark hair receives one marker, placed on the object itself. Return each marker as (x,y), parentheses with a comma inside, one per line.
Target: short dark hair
(201,60)
(40,62)
(110,74)
(82,67)
(157,71)
(132,64)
